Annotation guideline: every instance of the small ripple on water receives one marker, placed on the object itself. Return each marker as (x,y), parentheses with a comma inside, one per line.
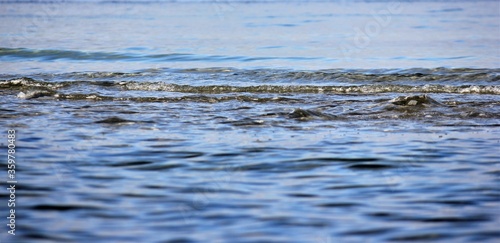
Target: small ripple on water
(397,159)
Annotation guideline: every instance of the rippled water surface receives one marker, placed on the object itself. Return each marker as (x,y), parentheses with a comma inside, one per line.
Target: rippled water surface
(225,121)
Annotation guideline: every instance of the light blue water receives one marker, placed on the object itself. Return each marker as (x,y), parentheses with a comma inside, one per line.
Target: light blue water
(312,35)
(252,121)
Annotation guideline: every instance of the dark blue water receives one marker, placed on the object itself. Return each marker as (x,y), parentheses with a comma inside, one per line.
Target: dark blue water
(251,121)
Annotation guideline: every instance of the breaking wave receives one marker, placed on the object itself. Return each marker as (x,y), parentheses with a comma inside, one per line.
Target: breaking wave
(28,83)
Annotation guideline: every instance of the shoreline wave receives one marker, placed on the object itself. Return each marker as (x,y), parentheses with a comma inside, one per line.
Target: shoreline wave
(28,83)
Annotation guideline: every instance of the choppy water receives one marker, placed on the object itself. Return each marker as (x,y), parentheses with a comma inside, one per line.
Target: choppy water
(251,122)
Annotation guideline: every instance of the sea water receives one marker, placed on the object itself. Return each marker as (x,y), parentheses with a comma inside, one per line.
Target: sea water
(251,121)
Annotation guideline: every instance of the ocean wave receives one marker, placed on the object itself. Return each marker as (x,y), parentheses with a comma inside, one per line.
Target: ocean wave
(355,76)
(361,89)
(25,83)
(46,55)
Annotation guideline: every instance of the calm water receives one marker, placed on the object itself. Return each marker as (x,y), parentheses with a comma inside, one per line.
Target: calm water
(254,121)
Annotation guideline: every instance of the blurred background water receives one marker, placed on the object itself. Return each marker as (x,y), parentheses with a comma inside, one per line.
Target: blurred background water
(124,36)
(252,121)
